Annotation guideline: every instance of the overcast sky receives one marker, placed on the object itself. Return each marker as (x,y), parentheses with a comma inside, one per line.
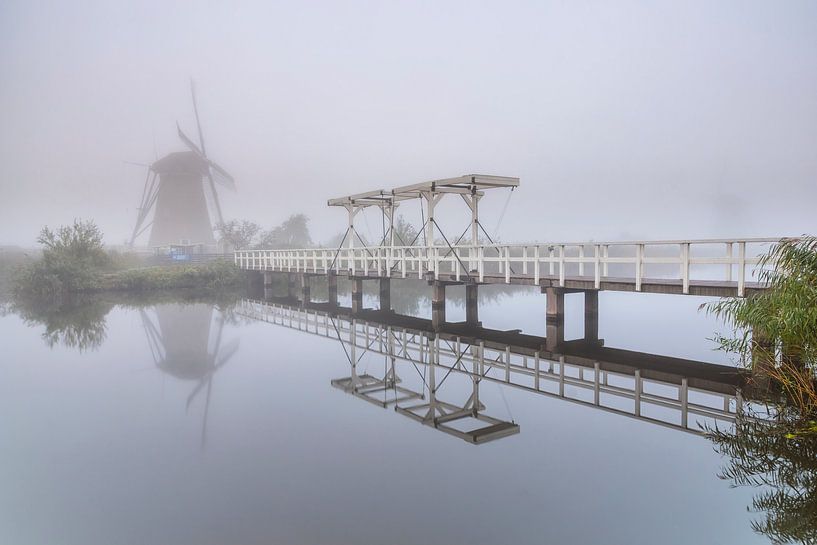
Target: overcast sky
(622,119)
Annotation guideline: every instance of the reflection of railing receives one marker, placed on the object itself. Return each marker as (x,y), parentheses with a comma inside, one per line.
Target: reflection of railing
(632,391)
(685,262)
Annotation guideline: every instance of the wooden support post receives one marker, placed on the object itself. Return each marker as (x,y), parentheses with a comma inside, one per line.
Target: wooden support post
(472,304)
(305,288)
(555,334)
(591,315)
(332,288)
(290,285)
(357,295)
(438,304)
(385,293)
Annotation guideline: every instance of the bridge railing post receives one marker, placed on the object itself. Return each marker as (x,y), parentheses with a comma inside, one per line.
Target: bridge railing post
(561,265)
(455,263)
(536,265)
(507,264)
(729,265)
(581,260)
(742,268)
(551,264)
(639,266)
(685,267)
(596,266)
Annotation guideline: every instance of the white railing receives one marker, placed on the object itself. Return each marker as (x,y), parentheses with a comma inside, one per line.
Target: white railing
(647,397)
(727,261)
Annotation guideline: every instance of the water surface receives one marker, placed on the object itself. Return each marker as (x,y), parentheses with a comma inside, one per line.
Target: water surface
(185,423)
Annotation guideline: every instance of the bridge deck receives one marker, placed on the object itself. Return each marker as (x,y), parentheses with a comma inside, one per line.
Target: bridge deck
(696,267)
(712,288)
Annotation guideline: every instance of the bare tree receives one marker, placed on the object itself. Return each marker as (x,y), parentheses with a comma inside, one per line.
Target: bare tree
(236,234)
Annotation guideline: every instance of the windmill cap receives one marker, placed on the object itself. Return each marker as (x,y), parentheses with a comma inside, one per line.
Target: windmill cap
(180,162)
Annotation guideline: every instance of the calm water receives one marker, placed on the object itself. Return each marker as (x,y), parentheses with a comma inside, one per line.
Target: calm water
(189,424)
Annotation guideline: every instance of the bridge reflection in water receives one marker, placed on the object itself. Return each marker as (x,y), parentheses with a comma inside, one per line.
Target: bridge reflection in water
(677,393)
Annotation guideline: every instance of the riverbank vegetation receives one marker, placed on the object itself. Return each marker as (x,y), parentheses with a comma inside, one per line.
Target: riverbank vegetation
(775,332)
(74,260)
(773,443)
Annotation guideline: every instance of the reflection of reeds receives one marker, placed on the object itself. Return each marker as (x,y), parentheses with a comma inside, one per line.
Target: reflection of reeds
(780,458)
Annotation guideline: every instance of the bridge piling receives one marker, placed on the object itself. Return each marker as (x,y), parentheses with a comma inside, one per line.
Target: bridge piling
(555,317)
(472,304)
(357,295)
(437,303)
(332,288)
(385,293)
(290,285)
(305,288)
(591,315)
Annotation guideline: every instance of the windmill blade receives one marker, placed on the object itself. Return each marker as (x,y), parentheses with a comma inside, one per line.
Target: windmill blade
(150,192)
(223,177)
(198,122)
(202,383)
(215,197)
(206,412)
(154,337)
(190,144)
(140,218)
(229,351)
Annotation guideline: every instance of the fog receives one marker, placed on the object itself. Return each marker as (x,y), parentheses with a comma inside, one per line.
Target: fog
(622,120)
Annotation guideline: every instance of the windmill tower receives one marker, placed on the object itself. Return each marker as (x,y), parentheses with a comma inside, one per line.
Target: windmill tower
(175,192)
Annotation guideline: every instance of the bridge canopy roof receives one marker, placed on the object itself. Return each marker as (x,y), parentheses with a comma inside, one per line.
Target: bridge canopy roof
(466,184)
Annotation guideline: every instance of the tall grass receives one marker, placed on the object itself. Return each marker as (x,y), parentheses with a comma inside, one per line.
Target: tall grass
(774,333)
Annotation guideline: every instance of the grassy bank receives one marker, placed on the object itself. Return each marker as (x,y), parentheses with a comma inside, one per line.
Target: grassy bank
(74,260)
(216,275)
(36,280)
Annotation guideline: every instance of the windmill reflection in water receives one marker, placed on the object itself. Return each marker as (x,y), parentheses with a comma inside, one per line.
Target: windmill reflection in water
(185,343)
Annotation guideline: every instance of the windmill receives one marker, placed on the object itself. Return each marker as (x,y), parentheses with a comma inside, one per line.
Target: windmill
(182,345)
(174,192)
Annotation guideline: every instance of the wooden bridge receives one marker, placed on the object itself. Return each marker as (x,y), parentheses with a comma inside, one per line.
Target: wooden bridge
(713,267)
